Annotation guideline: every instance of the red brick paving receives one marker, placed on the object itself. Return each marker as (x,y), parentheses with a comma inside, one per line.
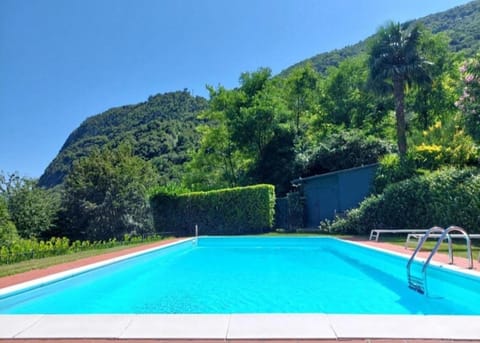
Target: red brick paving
(30,275)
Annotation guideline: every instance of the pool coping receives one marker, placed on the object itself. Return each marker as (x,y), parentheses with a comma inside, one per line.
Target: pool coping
(280,326)
(239,326)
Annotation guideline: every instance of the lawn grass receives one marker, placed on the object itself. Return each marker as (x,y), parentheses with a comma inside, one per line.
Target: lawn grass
(458,245)
(41,263)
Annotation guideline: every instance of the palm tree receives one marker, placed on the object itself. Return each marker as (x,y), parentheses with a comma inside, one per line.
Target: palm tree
(395,62)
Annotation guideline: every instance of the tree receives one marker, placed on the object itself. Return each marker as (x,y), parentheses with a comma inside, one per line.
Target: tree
(346,99)
(395,62)
(32,209)
(276,164)
(434,101)
(301,86)
(240,124)
(8,232)
(106,195)
(469,101)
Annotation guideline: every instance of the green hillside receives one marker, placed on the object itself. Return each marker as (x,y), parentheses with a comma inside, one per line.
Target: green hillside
(461,24)
(161,129)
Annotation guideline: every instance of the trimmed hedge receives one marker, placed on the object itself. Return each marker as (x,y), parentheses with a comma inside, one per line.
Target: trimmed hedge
(443,198)
(233,211)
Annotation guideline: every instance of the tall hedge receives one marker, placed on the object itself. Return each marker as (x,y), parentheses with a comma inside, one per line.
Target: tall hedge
(446,197)
(233,211)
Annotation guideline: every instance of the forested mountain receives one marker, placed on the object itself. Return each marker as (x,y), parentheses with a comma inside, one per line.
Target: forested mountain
(161,129)
(461,24)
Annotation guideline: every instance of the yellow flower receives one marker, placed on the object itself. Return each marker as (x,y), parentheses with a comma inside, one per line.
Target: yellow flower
(428,148)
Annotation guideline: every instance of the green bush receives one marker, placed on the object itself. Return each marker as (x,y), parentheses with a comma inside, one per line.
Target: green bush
(446,197)
(393,168)
(27,249)
(233,211)
(345,150)
(444,144)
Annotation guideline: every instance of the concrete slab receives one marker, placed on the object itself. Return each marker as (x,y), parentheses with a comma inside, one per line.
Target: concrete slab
(279,326)
(405,326)
(183,326)
(77,326)
(240,327)
(458,327)
(13,325)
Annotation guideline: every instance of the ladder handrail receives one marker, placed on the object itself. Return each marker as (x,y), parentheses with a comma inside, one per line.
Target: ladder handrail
(440,240)
(422,288)
(421,242)
(445,233)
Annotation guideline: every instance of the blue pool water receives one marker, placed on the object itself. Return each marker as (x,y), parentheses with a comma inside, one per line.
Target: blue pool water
(253,275)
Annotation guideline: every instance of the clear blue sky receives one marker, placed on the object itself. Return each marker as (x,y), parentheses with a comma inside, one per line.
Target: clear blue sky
(62,61)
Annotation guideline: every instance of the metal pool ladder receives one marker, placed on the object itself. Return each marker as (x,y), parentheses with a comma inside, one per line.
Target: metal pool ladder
(419,283)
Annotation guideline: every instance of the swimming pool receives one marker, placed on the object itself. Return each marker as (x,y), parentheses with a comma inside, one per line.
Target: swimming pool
(217,275)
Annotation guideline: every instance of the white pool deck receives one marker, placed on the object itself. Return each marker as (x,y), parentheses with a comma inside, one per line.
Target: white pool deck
(232,326)
(239,326)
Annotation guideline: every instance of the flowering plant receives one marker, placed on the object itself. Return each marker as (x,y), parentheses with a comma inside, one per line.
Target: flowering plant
(469,101)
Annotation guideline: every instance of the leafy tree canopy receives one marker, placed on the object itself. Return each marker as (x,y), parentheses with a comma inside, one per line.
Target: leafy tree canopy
(8,232)
(33,210)
(105,195)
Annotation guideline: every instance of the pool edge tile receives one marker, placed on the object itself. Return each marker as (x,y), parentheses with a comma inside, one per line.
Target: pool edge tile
(240,326)
(13,325)
(185,326)
(280,326)
(405,326)
(77,326)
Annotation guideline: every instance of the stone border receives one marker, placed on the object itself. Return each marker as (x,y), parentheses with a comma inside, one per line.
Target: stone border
(239,327)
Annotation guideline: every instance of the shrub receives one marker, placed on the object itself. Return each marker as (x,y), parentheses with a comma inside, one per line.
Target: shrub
(241,210)
(393,168)
(345,150)
(446,197)
(444,144)
(27,249)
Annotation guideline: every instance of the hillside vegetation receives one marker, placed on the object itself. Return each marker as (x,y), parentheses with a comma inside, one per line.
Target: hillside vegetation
(161,129)
(460,24)
(409,100)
